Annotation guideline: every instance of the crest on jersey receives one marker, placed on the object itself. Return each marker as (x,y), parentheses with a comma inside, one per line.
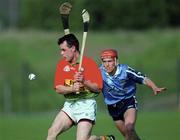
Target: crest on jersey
(66,68)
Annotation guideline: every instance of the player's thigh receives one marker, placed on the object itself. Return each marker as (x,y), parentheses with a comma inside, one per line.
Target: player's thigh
(130,116)
(84,129)
(62,122)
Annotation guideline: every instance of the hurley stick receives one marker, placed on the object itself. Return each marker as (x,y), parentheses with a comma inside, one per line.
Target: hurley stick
(64,10)
(86,19)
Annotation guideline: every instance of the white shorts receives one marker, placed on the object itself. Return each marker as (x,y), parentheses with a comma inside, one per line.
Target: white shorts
(81,109)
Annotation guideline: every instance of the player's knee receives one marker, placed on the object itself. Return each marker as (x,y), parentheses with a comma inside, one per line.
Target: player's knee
(129,127)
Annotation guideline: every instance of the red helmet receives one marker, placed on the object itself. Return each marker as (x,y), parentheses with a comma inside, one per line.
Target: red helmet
(109,53)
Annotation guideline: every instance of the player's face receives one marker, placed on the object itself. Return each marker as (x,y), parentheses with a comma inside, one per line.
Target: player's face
(109,64)
(66,52)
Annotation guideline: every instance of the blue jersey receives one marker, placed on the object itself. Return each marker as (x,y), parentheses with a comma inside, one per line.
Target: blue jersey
(122,85)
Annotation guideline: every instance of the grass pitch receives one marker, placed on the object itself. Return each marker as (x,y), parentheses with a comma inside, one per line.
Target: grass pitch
(150,126)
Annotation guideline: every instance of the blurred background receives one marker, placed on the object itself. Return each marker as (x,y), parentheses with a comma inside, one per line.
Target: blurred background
(145,33)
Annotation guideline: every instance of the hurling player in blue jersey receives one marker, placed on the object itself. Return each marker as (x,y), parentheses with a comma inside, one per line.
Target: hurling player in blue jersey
(119,88)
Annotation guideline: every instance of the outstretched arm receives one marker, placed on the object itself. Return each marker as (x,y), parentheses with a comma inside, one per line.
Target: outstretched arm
(153,86)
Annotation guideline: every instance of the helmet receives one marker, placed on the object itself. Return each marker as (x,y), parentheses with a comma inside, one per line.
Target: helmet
(109,53)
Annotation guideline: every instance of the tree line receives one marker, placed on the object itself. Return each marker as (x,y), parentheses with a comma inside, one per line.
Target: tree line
(113,14)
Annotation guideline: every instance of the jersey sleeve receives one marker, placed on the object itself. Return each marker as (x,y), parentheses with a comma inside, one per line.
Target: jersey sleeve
(136,76)
(93,73)
(58,79)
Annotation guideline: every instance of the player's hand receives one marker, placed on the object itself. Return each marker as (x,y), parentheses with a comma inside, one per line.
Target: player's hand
(158,90)
(77,86)
(79,77)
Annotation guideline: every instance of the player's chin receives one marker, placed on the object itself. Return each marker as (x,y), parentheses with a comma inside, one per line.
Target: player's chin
(66,59)
(108,70)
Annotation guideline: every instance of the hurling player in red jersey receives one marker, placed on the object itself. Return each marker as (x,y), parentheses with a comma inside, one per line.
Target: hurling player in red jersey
(79,89)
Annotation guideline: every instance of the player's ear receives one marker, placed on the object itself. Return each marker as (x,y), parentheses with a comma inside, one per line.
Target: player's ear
(102,61)
(115,61)
(73,48)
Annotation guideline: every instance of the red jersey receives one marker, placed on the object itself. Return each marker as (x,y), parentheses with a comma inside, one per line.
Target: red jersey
(65,75)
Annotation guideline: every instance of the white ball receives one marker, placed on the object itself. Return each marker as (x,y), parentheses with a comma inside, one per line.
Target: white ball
(32,76)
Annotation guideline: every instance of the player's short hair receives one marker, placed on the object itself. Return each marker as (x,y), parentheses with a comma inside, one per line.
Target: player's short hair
(71,41)
(109,53)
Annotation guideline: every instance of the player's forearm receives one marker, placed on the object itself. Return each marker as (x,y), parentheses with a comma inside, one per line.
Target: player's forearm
(91,86)
(64,89)
(150,83)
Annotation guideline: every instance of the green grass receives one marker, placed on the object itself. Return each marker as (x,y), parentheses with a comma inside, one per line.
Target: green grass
(150,126)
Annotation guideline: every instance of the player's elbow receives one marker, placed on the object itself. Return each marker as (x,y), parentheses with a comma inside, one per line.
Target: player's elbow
(58,90)
(97,90)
